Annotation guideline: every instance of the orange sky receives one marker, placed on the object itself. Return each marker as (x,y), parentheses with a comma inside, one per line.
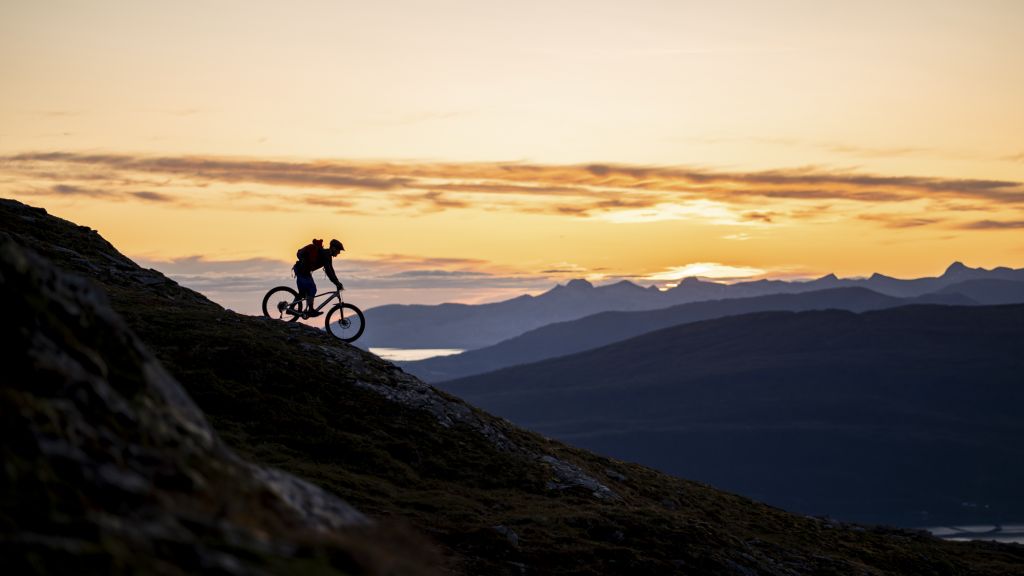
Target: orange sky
(473,150)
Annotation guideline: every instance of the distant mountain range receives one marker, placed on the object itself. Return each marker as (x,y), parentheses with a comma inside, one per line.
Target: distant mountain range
(477,326)
(912,415)
(564,338)
(474,326)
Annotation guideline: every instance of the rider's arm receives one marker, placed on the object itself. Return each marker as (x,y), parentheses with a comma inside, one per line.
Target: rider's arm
(329,270)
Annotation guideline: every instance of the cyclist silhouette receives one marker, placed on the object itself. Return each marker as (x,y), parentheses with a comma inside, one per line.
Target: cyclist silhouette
(313,257)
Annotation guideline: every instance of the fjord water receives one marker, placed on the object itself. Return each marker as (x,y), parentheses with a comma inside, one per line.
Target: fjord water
(1006,533)
(413,354)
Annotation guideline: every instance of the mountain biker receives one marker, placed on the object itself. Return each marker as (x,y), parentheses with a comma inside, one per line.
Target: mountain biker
(313,257)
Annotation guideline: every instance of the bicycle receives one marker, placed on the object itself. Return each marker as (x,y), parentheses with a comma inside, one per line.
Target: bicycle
(344,321)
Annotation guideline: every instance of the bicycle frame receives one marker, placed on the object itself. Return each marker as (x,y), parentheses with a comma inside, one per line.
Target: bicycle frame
(334,294)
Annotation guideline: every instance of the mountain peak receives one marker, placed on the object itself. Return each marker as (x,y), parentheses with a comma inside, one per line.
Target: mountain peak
(956,268)
(623,287)
(578,284)
(692,280)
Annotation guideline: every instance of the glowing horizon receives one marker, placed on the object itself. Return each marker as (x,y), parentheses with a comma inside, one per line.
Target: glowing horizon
(459,161)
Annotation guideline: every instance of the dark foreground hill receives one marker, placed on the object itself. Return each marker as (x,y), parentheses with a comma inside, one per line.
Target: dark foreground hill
(108,468)
(563,338)
(912,415)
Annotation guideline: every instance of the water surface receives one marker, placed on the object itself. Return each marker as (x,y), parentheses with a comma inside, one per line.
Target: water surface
(413,354)
(999,532)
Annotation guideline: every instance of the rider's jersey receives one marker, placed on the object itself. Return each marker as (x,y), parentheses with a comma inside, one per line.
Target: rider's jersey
(303,267)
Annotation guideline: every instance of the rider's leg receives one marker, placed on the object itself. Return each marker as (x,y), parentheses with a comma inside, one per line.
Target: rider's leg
(310,311)
(307,289)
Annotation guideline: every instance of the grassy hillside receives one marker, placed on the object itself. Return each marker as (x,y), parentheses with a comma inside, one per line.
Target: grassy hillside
(911,415)
(108,467)
(493,498)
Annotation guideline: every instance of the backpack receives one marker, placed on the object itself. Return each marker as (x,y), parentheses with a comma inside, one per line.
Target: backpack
(310,253)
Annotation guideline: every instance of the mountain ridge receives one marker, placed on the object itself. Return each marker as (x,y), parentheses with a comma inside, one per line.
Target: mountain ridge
(569,337)
(470,327)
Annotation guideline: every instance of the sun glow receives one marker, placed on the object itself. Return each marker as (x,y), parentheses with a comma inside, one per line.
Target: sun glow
(712,270)
(707,211)
(623,138)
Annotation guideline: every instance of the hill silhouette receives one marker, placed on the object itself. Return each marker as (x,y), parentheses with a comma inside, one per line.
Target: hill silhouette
(109,466)
(988,291)
(562,338)
(474,492)
(473,326)
(478,326)
(908,415)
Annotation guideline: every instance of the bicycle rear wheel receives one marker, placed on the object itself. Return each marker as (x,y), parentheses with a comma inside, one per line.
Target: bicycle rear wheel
(282,303)
(345,322)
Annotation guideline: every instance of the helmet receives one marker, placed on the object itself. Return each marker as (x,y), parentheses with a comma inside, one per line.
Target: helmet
(336,245)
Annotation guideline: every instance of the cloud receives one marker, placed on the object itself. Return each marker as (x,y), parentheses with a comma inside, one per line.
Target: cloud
(383,272)
(703,210)
(446,274)
(320,200)
(313,173)
(516,189)
(614,192)
(152,196)
(68,190)
(433,201)
(899,220)
(993,225)
(404,261)
(241,284)
(202,265)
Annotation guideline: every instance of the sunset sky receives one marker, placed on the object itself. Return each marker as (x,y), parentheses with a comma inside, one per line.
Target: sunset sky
(475,150)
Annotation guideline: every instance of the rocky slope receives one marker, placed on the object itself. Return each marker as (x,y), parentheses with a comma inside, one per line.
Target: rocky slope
(109,466)
(488,497)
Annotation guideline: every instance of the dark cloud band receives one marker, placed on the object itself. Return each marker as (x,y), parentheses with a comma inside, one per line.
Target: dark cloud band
(581,190)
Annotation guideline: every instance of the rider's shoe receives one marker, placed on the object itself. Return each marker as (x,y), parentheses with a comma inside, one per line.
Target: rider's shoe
(312,313)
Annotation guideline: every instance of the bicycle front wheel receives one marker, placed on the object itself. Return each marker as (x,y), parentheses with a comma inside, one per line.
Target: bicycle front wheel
(282,303)
(345,322)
